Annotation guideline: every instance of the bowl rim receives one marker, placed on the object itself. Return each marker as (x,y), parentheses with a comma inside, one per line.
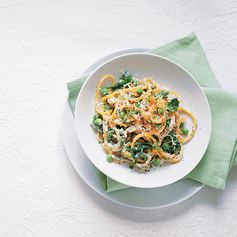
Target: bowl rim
(172,62)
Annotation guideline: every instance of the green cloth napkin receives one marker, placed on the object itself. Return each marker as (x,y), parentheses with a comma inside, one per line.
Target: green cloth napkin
(221,154)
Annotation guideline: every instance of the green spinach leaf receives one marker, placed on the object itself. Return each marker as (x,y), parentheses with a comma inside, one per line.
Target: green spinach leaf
(173,105)
(171,144)
(138,150)
(124,79)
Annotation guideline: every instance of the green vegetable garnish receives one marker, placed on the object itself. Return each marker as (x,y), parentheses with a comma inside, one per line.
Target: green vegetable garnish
(171,144)
(173,105)
(124,79)
(139,91)
(167,123)
(107,107)
(181,125)
(138,105)
(109,158)
(122,115)
(160,111)
(165,146)
(156,162)
(133,112)
(153,87)
(138,150)
(143,156)
(184,131)
(104,91)
(135,82)
(110,135)
(155,146)
(97,123)
(162,94)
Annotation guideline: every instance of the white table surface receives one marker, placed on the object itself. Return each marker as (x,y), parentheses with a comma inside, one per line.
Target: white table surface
(43,45)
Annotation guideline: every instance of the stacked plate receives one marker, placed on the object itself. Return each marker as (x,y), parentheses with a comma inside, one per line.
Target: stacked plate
(157,189)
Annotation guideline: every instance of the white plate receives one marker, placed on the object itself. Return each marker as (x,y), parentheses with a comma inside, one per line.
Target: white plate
(133,197)
(167,74)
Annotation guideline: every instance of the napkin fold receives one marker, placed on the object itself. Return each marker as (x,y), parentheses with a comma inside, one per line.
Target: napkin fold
(221,154)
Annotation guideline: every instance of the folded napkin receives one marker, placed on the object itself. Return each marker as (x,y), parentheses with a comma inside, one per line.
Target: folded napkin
(221,154)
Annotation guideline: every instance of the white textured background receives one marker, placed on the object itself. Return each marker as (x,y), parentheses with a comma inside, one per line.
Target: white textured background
(43,45)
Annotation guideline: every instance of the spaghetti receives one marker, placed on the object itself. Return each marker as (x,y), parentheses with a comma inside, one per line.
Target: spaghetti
(140,124)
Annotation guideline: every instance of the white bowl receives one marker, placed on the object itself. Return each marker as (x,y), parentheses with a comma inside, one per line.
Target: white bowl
(167,74)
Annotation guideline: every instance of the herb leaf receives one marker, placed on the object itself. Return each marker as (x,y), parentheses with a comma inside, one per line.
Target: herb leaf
(110,135)
(181,125)
(124,79)
(160,111)
(162,94)
(171,144)
(167,123)
(173,105)
(138,150)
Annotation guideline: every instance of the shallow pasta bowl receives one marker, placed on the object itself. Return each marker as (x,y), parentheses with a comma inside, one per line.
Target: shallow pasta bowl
(168,74)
